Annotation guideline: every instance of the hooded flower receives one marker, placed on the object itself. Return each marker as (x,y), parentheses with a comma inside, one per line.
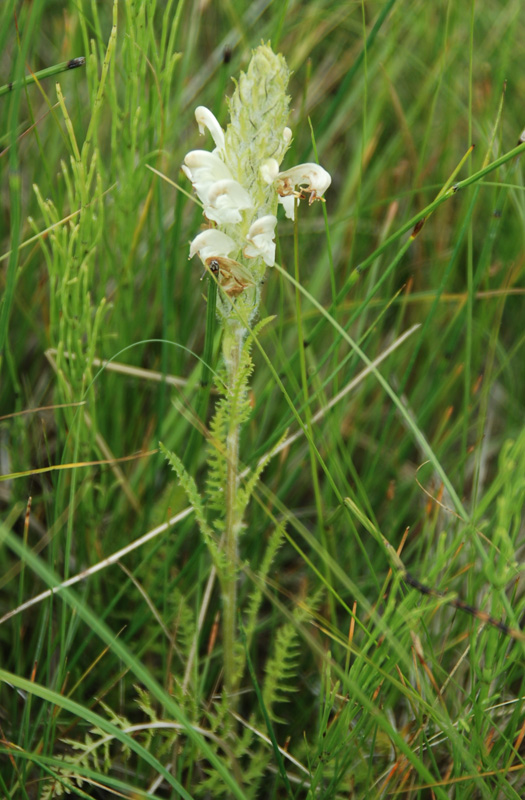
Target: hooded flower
(205,119)
(308,177)
(222,197)
(261,238)
(226,199)
(212,243)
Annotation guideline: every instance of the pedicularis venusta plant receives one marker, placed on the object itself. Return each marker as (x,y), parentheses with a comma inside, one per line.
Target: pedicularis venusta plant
(240,186)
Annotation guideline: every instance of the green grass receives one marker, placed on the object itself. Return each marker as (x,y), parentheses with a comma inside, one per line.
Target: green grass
(354,684)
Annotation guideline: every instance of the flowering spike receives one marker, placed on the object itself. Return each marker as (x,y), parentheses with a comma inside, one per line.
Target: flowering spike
(240,185)
(259,113)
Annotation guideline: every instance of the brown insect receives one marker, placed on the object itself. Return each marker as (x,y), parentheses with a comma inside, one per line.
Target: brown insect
(232,277)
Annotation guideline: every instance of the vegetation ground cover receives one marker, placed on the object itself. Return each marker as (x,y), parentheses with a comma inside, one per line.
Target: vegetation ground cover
(389,385)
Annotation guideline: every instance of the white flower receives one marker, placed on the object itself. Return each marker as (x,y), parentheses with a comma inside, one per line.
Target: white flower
(222,197)
(212,243)
(205,119)
(287,135)
(288,203)
(204,169)
(306,177)
(269,170)
(261,237)
(226,199)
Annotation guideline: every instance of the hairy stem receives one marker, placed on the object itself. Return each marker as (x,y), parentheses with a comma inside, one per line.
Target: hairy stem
(232,352)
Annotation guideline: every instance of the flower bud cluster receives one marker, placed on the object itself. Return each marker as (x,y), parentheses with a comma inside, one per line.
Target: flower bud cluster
(239,183)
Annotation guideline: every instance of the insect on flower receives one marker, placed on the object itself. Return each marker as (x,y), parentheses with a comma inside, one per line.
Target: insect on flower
(232,277)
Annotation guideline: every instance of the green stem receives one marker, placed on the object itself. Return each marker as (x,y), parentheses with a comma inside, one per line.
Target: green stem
(232,352)
(35,77)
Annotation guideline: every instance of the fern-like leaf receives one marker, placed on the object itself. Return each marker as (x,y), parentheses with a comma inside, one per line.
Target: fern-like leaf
(283,665)
(216,458)
(255,599)
(281,669)
(196,502)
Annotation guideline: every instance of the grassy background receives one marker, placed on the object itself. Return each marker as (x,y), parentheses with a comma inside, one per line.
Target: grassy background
(382,698)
